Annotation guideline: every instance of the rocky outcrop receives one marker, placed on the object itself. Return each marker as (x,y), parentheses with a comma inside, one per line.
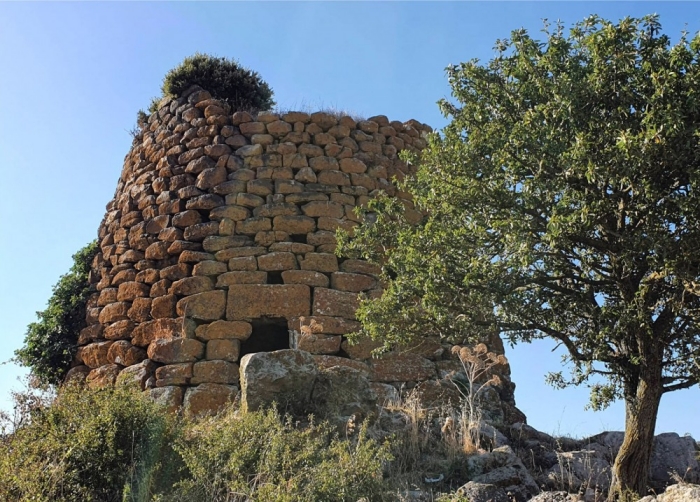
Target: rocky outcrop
(683,492)
(586,465)
(284,377)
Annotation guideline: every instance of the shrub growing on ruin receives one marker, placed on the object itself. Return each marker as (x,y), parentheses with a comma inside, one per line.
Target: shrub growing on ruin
(224,78)
(51,342)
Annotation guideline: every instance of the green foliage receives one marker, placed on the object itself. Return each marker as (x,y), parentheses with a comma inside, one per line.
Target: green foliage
(259,457)
(88,445)
(116,445)
(51,342)
(563,203)
(223,78)
(561,197)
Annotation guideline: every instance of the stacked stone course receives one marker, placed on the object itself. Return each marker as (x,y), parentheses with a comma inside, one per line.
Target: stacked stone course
(224,223)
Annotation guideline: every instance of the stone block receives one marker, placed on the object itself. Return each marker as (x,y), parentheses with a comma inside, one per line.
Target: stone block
(321,237)
(140,310)
(244,263)
(224,330)
(91,333)
(227,349)
(120,330)
(107,296)
(104,376)
(315,209)
(332,177)
(294,225)
(224,372)
(128,291)
(234,213)
(137,375)
(242,277)
(360,267)
(345,281)
(146,332)
(403,368)
(114,312)
(191,285)
(320,262)
(175,272)
(209,268)
(253,225)
(317,343)
(200,231)
(174,374)
(169,398)
(277,261)
(307,277)
(208,398)
(163,306)
(323,164)
(95,354)
(292,247)
(283,376)
(122,352)
(333,224)
(271,300)
(329,302)
(208,306)
(177,350)
(352,165)
(216,243)
(188,256)
(279,128)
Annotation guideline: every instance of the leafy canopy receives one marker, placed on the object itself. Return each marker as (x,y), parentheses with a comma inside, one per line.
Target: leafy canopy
(51,342)
(561,201)
(224,78)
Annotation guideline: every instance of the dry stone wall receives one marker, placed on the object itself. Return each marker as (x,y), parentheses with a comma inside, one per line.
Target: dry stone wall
(220,241)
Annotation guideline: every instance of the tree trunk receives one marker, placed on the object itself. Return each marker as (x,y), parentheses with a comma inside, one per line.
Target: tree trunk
(633,462)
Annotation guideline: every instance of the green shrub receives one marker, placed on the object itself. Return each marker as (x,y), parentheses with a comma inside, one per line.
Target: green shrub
(89,445)
(51,342)
(259,457)
(224,78)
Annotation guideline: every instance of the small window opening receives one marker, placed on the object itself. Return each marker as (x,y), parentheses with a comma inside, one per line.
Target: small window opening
(274,278)
(299,238)
(269,334)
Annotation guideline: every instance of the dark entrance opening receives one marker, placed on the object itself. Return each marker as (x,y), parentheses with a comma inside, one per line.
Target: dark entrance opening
(269,334)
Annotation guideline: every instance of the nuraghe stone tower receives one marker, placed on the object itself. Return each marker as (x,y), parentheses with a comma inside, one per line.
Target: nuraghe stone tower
(220,242)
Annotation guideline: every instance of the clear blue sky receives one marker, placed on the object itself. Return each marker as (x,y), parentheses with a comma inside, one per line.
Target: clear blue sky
(73,76)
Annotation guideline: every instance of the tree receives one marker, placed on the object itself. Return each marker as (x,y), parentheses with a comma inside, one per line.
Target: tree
(51,342)
(561,201)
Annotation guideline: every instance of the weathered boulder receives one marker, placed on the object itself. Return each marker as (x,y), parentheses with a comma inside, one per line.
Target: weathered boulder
(480,492)
(285,377)
(342,392)
(683,492)
(501,467)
